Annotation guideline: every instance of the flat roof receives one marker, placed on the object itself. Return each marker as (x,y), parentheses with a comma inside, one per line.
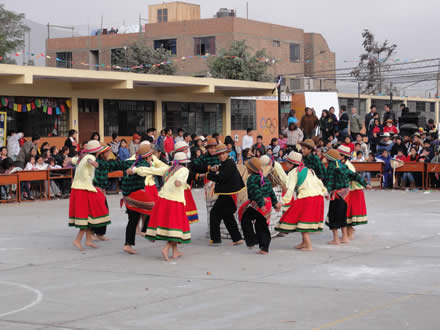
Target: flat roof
(29,75)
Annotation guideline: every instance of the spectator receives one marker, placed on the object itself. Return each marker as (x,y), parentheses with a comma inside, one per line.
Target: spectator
(72,143)
(14,145)
(179,136)
(388,171)
(366,176)
(332,113)
(416,143)
(7,167)
(347,142)
(160,140)
(369,120)
(187,138)
(398,146)
(390,128)
(344,121)
(26,150)
(385,144)
(388,114)
(134,144)
(356,123)
(247,143)
(294,136)
(292,118)
(326,125)
(168,144)
(62,156)
(114,145)
(275,147)
(216,136)
(364,146)
(95,136)
(152,133)
(3,154)
(309,123)
(435,177)
(123,152)
(282,141)
(375,134)
(259,146)
(45,147)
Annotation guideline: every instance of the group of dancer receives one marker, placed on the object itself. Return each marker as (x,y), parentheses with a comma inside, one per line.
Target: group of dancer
(167,214)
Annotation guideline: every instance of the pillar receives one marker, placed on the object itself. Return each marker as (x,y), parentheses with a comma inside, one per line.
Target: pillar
(158,115)
(101,119)
(368,104)
(73,114)
(437,111)
(227,119)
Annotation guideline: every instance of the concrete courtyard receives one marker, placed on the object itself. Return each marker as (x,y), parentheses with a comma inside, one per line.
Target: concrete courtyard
(388,278)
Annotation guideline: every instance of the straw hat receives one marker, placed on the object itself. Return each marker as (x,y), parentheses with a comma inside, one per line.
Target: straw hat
(396,163)
(93,147)
(221,148)
(105,148)
(390,121)
(180,146)
(266,160)
(144,151)
(145,143)
(294,158)
(344,150)
(181,158)
(211,142)
(333,155)
(308,143)
(254,165)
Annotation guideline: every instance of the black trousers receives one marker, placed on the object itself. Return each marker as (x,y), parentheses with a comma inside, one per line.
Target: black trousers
(100,231)
(224,209)
(337,214)
(260,234)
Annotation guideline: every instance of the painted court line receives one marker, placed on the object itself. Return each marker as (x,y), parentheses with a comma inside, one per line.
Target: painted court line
(36,301)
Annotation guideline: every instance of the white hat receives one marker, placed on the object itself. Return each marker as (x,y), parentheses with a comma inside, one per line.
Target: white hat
(344,150)
(266,160)
(181,158)
(294,158)
(386,134)
(93,146)
(180,146)
(201,137)
(144,143)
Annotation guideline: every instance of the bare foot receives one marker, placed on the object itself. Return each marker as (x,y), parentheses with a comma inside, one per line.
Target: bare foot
(129,249)
(95,238)
(91,244)
(333,242)
(300,246)
(306,249)
(345,241)
(141,233)
(165,254)
(103,238)
(177,255)
(238,242)
(262,252)
(78,245)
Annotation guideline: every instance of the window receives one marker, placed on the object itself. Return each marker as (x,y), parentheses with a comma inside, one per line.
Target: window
(432,106)
(88,105)
(197,118)
(205,45)
(420,107)
(295,53)
(162,15)
(243,114)
(118,57)
(64,60)
(276,43)
(168,44)
(295,84)
(127,117)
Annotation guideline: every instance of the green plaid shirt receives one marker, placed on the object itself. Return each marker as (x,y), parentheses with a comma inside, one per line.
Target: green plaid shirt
(257,193)
(200,165)
(314,163)
(339,178)
(132,183)
(104,168)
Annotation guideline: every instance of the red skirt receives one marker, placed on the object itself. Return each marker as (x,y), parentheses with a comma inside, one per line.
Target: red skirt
(304,215)
(265,214)
(88,209)
(168,222)
(190,207)
(141,201)
(357,209)
(152,190)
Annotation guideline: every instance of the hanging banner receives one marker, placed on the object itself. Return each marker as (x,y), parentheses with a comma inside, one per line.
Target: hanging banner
(3,121)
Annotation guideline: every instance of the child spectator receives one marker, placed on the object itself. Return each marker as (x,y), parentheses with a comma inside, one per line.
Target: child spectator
(259,146)
(390,128)
(123,151)
(275,147)
(348,143)
(282,141)
(388,171)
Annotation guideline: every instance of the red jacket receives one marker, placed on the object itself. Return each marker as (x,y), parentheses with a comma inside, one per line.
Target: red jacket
(392,129)
(168,145)
(350,145)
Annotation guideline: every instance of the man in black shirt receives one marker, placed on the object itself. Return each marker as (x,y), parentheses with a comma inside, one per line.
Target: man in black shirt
(343,121)
(388,114)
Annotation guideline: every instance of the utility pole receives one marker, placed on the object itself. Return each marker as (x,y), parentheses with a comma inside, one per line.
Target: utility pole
(437,94)
(391,95)
(247,9)
(48,31)
(359,97)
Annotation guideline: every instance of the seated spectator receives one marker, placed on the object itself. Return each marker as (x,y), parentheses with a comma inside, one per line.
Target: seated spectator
(123,152)
(40,165)
(95,136)
(280,155)
(385,144)
(179,136)
(275,147)
(408,176)
(114,145)
(364,146)
(390,128)
(3,154)
(398,146)
(282,141)
(8,167)
(134,144)
(361,159)
(388,171)
(259,146)
(347,142)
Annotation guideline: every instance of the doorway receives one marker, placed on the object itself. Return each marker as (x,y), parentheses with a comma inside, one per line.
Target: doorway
(88,118)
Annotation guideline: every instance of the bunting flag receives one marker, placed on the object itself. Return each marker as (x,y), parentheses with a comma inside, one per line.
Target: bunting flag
(49,107)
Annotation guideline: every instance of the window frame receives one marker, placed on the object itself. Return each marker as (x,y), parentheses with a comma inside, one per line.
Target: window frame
(294,56)
(243,114)
(172,49)
(200,42)
(65,63)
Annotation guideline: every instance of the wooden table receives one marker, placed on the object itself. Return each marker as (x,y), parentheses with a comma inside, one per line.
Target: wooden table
(115,174)
(57,174)
(370,167)
(431,169)
(26,176)
(414,168)
(8,179)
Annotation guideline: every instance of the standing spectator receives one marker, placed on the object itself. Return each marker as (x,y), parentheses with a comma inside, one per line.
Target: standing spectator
(248,142)
(388,171)
(134,144)
(26,150)
(390,128)
(356,123)
(369,121)
(309,122)
(343,121)
(160,140)
(388,114)
(259,146)
(327,125)
(332,113)
(14,145)
(292,118)
(294,136)
(179,136)
(168,144)
(152,133)
(72,143)
(115,144)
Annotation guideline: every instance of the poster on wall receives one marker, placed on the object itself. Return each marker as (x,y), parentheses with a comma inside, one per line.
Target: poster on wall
(3,129)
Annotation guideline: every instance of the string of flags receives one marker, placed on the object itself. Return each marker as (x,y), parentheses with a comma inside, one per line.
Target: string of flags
(47,106)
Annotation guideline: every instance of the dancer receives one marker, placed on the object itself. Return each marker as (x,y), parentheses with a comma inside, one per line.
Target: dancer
(228,183)
(137,200)
(261,199)
(274,172)
(168,220)
(337,182)
(356,208)
(312,161)
(87,207)
(306,215)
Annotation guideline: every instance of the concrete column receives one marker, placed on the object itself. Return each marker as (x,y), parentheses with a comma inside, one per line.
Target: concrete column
(437,111)
(158,115)
(227,119)
(101,119)
(73,114)
(368,104)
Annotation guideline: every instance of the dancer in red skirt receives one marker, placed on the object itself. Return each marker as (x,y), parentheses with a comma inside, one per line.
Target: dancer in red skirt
(87,207)
(356,206)
(168,220)
(306,215)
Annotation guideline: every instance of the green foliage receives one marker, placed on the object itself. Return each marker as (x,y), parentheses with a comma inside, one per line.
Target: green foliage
(239,64)
(143,58)
(373,63)
(12,30)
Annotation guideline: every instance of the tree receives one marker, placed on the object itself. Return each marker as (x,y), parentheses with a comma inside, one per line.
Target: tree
(143,59)
(12,30)
(237,63)
(373,63)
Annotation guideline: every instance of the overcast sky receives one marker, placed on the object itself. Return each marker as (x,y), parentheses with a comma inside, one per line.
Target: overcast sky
(413,25)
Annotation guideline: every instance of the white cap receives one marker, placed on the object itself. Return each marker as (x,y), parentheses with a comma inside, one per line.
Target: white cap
(144,143)
(181,157)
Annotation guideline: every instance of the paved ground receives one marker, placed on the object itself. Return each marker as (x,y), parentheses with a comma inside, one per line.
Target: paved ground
(389,278)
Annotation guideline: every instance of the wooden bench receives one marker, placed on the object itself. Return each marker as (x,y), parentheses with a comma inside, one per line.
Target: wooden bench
(370,167)
(58,174)
(431,169)
(31,176)
(414,168)
(9,179)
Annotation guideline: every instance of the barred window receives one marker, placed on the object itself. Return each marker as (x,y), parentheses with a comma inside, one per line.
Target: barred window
(243,114)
